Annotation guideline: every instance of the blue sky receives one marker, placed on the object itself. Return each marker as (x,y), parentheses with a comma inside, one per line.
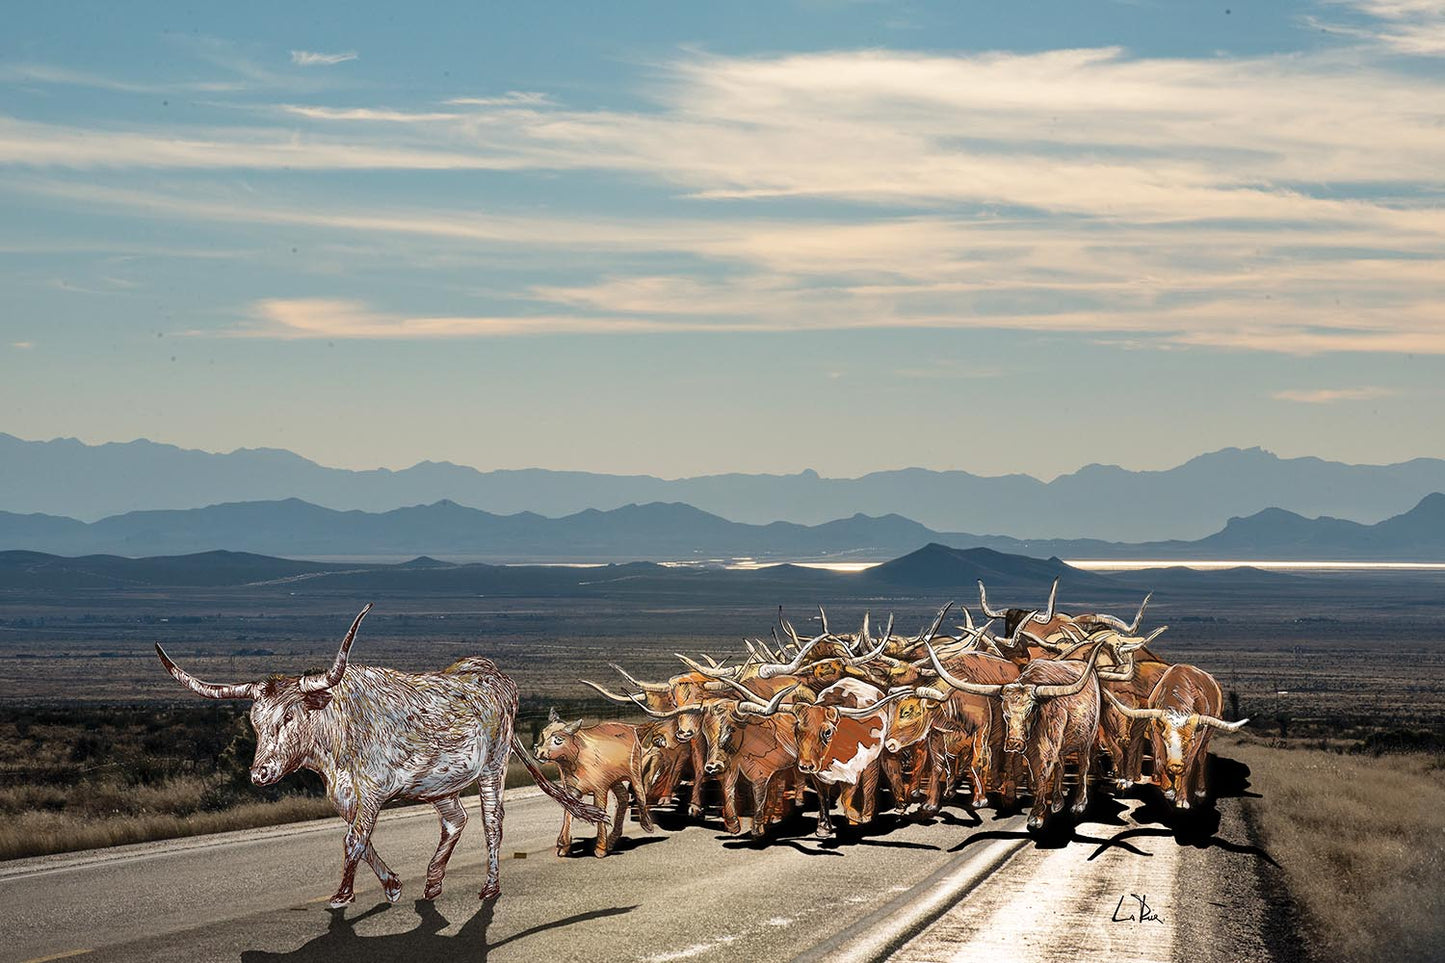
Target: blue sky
(680,239)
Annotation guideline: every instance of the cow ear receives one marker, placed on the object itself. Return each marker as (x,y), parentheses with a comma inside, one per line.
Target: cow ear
(316,700)
(552,714)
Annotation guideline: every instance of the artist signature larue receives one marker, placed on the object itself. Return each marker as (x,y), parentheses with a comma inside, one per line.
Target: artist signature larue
(1137,912)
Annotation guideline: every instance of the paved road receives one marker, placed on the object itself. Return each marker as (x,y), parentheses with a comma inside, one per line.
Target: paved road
(954,890)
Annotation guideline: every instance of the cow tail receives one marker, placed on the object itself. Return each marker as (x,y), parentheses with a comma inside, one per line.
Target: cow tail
(569,800)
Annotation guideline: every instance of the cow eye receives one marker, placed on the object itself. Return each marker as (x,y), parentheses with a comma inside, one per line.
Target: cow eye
(556,740)
(827,733)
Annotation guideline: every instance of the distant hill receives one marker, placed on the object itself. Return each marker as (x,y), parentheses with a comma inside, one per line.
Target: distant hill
(65,477)
(933,570)
(674,532)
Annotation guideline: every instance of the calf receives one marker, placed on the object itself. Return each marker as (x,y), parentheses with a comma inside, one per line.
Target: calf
(604,759)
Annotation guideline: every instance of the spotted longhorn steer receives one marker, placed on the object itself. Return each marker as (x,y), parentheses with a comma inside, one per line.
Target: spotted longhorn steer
(375,734)
(840,741)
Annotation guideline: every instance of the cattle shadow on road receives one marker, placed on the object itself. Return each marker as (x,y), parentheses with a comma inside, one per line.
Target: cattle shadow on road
(423,944)
(1153,817)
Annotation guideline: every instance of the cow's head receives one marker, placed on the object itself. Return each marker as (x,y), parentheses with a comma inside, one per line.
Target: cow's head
(723,722)
(284,712)
(558,742)
(1173,732)
(910,717)
(816,726)
(1021,698)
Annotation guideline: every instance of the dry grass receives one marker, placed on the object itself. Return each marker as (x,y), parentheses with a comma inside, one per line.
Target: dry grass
(39,820)
(35,833)
(1362,842)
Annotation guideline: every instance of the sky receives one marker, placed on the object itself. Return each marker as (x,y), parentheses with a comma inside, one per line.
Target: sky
(681,239)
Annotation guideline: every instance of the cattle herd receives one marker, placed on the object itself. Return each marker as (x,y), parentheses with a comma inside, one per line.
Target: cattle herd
(988,714)
(991,714)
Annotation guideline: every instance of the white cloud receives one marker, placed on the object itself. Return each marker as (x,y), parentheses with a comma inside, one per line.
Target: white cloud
(22,345)
(1414,27)
(309,58)
(1326,396)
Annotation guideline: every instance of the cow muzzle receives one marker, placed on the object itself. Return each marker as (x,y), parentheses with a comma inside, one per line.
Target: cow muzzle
(685,735)
(713,768)
(1175,768)
(265,774)
(807,767)
(892,745)
(1013,745)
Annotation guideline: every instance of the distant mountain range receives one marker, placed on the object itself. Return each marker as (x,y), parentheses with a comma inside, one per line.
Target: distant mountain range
(68,478)
(674,532)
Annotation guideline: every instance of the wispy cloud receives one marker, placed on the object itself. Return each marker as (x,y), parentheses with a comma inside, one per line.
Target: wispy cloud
(310,58)
(1327,396)
(1414,27)
(22,345)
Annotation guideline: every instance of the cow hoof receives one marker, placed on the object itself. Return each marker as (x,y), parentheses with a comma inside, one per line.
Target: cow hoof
(1123,784)
(823,832)
(599,853)
(341,900)
(433,890)
(694,811)
(563,849)
(393,892)
(1036,823)
(490,891)
(1182,803)
(1199,794)
(1078,808)
(1056,806)
(1169,794)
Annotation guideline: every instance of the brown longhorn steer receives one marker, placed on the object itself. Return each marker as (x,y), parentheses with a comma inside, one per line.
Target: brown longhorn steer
(1182,713)
(604,759)
(1050,713)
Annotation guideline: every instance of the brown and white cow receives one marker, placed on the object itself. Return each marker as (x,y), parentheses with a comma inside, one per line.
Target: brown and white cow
(1182,713)
(375,734)
(840,742)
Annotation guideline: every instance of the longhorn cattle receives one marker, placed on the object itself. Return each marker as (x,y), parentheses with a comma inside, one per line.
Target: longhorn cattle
(375,734)
(1182,713)
(604,759)
(840,741)
(1051,711)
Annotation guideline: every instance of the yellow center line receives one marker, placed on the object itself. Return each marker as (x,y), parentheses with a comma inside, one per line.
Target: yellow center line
(58,956)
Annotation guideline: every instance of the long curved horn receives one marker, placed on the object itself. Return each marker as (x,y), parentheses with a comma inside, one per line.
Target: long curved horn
(1131,627)
(670,713)
(938,622)
(1042,642)
(211,690)
(962,685)
(1048,615)
(315,683)
(711,673)
(612,696)
(771,669)
(750,707)
(967,618)
(929,692)
(1218,723)
(644,686)
(983,603)
(823,619)
(1134,713)
(1071,688)
(858,712)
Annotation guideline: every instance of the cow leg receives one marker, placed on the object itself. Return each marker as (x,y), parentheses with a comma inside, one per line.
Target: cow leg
(868,786)
(760,793)
(694,808)
(620,791)
(1041,774)
(1081,794)
(731,822)
(354,849)
(564,838)
(825,807)
(489,789)
(453,818)
(893,770)
(606,834)
(799,788)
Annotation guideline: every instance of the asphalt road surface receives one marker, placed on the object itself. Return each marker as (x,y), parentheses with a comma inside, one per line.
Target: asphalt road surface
(959,888)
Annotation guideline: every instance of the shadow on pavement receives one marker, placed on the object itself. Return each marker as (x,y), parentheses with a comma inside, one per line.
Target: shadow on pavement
(1155,817)
(424,944)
